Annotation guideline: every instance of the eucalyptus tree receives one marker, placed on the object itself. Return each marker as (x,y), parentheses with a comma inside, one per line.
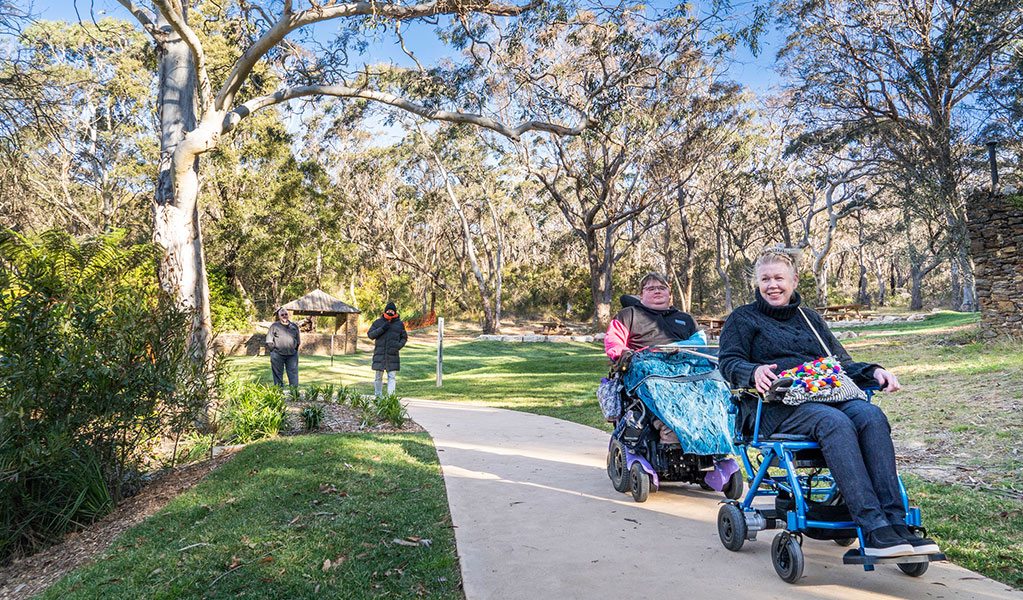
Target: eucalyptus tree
(197,105)
(654,93)
(905,72)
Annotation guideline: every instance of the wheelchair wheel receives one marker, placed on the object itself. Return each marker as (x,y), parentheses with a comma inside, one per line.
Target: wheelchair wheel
(639,481)
(704,485)
(731,527)
(616,467)
(914,569)
(733,489)
(787,556)
(845,541)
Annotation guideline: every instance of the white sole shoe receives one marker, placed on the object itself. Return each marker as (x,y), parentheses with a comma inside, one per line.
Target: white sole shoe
(926,549)
(896,550)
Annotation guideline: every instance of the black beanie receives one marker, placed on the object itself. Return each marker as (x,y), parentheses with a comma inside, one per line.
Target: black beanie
(390,306)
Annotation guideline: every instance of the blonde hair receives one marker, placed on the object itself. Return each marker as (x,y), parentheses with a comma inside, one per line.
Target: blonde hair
(776,254)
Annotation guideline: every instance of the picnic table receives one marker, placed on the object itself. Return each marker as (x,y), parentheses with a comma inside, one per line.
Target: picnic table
(712,326)
(551,327)
(841,312)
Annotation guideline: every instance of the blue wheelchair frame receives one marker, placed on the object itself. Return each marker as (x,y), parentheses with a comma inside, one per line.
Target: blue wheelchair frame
(781,450)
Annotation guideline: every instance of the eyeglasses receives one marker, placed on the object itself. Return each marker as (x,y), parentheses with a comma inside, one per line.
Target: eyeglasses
(655,288)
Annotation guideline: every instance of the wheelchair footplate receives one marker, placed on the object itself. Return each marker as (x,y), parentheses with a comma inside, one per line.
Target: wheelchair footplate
(854,557)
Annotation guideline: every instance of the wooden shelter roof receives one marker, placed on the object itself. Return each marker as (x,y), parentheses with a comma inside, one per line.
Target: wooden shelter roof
(319,303)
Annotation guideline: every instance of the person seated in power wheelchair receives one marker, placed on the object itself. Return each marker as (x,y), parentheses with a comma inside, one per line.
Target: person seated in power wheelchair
(671,415)
(759,341)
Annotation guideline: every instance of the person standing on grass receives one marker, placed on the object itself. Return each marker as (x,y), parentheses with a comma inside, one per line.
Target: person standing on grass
(282,340)
(389,335)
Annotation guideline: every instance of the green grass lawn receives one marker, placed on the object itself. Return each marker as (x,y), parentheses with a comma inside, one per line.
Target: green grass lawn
(558,380)
(265,524)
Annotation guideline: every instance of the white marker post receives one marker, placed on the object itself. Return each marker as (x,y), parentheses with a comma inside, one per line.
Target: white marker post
(440,349)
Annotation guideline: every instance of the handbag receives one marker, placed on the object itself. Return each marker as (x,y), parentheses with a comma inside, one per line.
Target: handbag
(821,380)
(609,395)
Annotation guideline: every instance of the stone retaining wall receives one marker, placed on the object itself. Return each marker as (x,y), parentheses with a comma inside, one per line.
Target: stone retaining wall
(543,338)
(246,344)
(996,245)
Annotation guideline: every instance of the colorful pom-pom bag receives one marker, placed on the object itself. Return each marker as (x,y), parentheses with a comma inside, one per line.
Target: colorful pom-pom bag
(821,380)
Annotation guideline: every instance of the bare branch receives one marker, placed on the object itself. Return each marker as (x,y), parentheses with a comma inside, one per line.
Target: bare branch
(144,19)
(514,133)
(291,21)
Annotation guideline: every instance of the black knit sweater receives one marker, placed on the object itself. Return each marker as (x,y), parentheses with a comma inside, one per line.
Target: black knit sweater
(760,334)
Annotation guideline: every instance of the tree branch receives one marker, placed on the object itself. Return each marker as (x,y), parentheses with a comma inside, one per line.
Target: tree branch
(144,19)
(515,133)
(291,21)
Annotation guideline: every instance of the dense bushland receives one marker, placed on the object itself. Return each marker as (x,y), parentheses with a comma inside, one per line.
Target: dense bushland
(94,369)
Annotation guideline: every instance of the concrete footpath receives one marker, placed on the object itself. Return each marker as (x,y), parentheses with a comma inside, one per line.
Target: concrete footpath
(536,517)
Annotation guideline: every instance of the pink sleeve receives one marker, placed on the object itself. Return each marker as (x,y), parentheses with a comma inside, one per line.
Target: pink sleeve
(616,340)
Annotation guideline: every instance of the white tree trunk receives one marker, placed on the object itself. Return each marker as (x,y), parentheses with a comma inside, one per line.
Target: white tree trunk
(182,269)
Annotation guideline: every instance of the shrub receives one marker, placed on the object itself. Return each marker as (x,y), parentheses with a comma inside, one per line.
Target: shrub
(94,368)
(346,395)
(388,407)
(252,411)
(312,416)
(328,392)
(193,446)
(312,393)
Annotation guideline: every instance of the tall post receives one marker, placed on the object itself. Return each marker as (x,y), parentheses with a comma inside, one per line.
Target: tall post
(992,157)
(440,349)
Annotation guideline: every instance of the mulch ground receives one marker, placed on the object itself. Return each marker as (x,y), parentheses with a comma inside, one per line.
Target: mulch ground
(31,575)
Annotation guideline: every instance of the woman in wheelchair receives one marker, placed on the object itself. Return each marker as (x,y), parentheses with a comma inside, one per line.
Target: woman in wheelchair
(768,336)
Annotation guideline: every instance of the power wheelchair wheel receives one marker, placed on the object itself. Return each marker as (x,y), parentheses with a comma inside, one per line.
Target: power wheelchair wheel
(914,569)
(639,481)
(731,527)
(787,556)
(616,467)
(733,489)
(705,486)
(845,541)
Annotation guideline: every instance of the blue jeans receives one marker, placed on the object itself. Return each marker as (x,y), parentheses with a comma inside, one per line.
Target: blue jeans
(856,441)
(378,382)
(279,363)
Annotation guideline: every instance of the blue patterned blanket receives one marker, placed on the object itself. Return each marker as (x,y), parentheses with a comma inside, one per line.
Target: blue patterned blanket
(687,393)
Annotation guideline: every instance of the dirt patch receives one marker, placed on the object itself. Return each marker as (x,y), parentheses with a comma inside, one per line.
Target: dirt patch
(31,575)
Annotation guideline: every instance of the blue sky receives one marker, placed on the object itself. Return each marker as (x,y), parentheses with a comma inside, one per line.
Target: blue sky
(754,72)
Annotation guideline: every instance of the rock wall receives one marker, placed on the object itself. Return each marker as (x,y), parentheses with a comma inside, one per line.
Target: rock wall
(996,244)
(315,344)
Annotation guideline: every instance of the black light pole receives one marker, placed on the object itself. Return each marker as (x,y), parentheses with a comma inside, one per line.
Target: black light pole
(993,159)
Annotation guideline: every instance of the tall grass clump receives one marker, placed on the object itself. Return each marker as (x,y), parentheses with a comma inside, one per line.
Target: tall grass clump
(95,367)
(252,411)
(388,407)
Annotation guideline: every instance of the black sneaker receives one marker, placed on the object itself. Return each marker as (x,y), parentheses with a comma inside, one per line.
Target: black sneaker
(921,545)
(884,542)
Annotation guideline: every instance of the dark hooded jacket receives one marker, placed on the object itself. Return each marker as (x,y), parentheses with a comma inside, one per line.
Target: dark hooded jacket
(651,327)
(390,337)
